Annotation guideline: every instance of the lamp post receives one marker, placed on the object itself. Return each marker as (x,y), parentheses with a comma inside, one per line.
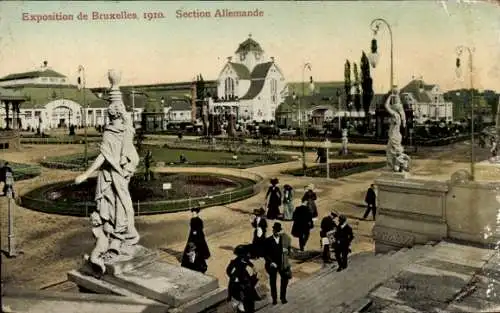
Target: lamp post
(81,86)
(9,183)
(460,50)
(327,144)
(373,57)
(301,125)
(133,107)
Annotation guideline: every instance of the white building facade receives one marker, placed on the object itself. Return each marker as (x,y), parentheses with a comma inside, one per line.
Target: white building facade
(250,85)
(427,102)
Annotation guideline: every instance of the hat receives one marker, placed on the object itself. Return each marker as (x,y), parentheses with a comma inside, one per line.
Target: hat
(197,210)
(241,250)
(259,211)
(310,187)
(277,226)
(275,181)
(334,213)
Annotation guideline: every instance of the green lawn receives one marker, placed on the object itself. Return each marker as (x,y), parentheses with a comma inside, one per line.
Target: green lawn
(168,155)
(172,157)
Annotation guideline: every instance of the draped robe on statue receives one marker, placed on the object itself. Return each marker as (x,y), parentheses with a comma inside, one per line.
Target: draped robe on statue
(114,203)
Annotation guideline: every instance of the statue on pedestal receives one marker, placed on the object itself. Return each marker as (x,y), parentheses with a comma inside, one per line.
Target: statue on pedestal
(345,141)
(397,160)
(113,220)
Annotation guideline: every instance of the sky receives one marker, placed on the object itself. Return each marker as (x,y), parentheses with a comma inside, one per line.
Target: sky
(323,33)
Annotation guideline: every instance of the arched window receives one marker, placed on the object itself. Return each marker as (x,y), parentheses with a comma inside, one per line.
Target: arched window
(274,91)
(229,88)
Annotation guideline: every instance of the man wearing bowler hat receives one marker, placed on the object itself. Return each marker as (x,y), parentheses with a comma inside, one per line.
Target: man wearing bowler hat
(277,250)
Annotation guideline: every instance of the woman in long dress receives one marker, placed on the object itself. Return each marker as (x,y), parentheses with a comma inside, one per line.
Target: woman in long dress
(273,198)
(242,281)
(287,203)
(259,225)
(196,245)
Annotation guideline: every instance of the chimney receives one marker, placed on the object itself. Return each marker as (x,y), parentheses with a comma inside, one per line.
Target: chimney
(272,59)
(229,59)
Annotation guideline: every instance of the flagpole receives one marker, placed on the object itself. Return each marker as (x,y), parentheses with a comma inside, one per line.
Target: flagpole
(81,85)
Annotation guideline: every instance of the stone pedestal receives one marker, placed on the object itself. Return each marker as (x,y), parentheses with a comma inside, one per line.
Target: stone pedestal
(415,210)
(410,211)
(144,276)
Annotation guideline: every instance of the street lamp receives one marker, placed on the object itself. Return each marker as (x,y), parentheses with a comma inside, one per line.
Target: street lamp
(460,50)
(374,56)
(301,125)
(81,86)
(9,184)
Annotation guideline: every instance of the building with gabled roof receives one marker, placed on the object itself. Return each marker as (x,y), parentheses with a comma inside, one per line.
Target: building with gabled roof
(427,102)
(249,84)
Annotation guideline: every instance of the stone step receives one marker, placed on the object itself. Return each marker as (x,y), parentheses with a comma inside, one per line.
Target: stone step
(356,261)
(331,289)
(302,295)
(20,301)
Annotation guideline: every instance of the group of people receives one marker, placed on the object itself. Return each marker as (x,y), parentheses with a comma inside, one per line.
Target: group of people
(275,198)
(275,249)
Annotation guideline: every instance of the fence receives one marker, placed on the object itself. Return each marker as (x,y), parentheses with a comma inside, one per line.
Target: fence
(33,200)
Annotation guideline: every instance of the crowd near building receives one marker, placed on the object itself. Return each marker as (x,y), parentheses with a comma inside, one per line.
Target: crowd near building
(250,85)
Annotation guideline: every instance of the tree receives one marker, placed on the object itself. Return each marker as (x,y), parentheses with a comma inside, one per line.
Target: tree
(357,95)
(347,82)
(366,85)
(200,87)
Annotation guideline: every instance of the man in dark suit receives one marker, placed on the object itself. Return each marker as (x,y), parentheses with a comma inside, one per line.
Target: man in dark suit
(343,239)
(328,226)
(277,249)
(371,200)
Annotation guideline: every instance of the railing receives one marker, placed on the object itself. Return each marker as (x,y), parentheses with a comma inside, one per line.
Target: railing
(83,209)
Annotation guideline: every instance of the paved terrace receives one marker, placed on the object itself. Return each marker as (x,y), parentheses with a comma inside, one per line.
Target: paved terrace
(58,242)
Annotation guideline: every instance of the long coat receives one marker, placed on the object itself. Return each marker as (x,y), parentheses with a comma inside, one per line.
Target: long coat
(197,237)
(343,236)
(371,197)
(241,283)
(327,225)
(258,242)
(274,202)
(278,253)
(302,221)
(310,197)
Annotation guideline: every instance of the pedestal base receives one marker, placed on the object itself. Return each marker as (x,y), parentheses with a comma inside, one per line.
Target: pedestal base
(144,276)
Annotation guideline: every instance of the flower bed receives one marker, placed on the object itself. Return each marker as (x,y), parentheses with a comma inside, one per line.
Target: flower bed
(337,169)
(188,190)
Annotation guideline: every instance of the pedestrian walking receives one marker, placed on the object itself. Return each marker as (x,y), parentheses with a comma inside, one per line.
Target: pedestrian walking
(302,224)
(196,251)
(242,281)
(277,251)
(328,227)
(273,200)
(3,176)
(310,197)
(371,202)
(288,203)
(259,224)
(343,239)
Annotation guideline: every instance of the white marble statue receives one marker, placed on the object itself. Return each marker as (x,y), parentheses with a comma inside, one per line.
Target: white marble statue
(345,141)
(113,221)
(397,160)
